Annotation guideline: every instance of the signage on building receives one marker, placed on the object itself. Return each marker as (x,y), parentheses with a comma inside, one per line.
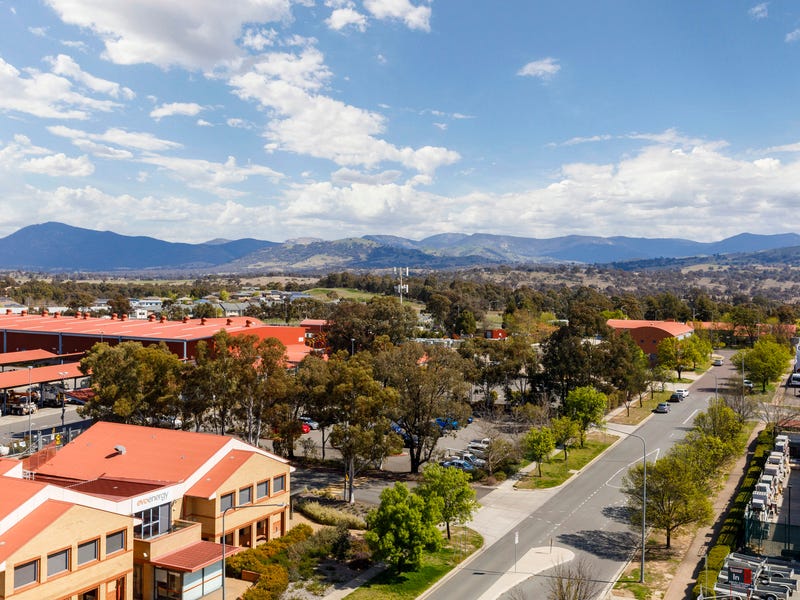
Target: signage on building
(150,500)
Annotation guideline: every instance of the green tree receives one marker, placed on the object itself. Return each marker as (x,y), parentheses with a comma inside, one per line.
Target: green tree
(671,355)
(430,383)
(539,443)
(721,422)
(696,349)
(567,361)
(403,525)
(132,383)
(673,500)
(566,433)
(585,405)
(452,486)
(746,317)
(764,362)
(362,434)
(625,366)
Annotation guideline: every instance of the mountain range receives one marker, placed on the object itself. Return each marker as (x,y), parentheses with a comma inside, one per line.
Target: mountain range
(56,247)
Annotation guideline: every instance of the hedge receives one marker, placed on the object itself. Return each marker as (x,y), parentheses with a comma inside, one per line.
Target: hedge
(728,538)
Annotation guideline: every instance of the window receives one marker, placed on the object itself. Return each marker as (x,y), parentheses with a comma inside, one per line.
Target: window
(246,495)
(279,484)
(262,490)
(226,502)
(26,574)
(57,562)
(155,521)
(87,552)
(115,542)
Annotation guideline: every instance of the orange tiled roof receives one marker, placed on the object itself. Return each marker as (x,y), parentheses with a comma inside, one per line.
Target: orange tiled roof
(10,358)
(16,492)
(20,377)
(208,485)
(151,454)
(195,557)
(671,327)
(34,523)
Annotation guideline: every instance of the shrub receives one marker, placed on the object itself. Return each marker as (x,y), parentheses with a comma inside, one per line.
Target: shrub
(273,582)
(327,515)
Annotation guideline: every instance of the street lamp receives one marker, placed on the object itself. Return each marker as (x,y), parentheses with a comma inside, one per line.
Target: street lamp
(63,397)
(235,506)
(352,346)
(716,386)
(30,400)
(644,495)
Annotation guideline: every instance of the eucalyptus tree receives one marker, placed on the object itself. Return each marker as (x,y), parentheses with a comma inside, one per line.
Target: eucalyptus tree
(132,383)
(430,383)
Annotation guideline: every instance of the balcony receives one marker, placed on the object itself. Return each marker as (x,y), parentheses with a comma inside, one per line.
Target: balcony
(180,534)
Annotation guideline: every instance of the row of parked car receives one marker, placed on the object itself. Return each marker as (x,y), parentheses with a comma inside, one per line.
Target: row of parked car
(471,458)
(746,577)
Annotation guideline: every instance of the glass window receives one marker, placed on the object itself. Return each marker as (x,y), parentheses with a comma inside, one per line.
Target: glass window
(87,552)
(226,502)
(279,484)
(262,489)
(26,574)
(115,542)
(58,562)
(155,521)
(246,495)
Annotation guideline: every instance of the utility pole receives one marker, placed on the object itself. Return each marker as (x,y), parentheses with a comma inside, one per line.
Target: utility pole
(401,288)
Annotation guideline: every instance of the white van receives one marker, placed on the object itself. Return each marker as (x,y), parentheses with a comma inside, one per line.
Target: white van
(794,380)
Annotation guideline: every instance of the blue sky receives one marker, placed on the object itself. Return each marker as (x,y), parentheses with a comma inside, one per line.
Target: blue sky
(190,120)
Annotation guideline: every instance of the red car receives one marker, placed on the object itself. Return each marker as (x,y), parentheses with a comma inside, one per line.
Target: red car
(305,426)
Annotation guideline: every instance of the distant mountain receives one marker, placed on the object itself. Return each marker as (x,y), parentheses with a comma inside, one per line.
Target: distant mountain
(58,247)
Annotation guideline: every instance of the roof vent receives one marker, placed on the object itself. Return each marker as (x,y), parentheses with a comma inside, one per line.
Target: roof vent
(185,319)
(151,318)
(163,319)
(202,321)
(120,449)
(229,322)
(247,323)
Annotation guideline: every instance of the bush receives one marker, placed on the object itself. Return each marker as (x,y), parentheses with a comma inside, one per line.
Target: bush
(273,582)
(327,515)
(256,559)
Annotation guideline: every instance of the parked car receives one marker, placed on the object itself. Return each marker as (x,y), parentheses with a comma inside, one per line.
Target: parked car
(458,463)
(684,393)
(748,385)
(662,407)
(676,397)
(305,427)
(446,423)
(717,362)
(479,445)
(472,459)
(310,422)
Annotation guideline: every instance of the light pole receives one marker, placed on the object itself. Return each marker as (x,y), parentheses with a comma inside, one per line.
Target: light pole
(716,386)
(224,512)
(63,397)
(352,346)
(644,495)
(30,401)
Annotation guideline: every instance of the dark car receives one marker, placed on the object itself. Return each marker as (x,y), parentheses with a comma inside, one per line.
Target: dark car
(676,397)
(447,423)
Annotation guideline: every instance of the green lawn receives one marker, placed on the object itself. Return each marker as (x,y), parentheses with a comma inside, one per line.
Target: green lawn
(390,585)
(639,413)
(556,471)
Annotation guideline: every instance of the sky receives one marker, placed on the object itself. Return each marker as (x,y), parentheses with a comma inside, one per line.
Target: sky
(193,120)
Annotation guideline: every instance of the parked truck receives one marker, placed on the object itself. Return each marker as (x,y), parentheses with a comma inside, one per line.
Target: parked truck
(22,403)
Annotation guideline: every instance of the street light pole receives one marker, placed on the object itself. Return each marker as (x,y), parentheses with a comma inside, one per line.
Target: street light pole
(30,401)
(644,495)
(224,512)
(352,346)
(63,397)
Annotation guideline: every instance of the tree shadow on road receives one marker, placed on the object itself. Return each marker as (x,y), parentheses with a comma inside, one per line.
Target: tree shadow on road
(605,544)
(620,514)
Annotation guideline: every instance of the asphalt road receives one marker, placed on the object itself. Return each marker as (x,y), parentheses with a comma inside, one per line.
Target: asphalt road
(587,515)
(45,420)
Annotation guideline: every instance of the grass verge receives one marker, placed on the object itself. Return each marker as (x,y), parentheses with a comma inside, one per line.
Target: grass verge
(556,471)
(391,585)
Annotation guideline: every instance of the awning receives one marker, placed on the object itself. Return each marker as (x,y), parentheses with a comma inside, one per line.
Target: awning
(21,377)
(194,557)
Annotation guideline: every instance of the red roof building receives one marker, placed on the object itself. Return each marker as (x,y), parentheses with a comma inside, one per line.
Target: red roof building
(648,334)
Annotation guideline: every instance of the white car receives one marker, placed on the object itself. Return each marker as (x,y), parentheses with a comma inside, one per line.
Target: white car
(682,392)
(310,422)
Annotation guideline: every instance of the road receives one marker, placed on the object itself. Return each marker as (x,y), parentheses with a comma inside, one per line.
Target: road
(45,420)
(586,517)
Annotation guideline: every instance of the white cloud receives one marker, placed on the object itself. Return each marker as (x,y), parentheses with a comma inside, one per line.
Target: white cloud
(38,31)
(346,17)
(80,46)
(22,155)
(189,109)
(414,17)
(543,69)
(441,126)
(258,39)
(196,34)
(209,176)
(792,36)
(66,66)
(120,137)
(45,95)
(305,122)
(759,11)
(237,123)
(204,123)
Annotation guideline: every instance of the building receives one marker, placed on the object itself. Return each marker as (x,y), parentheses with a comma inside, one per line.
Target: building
(648,334)
(175,494)
(65,335)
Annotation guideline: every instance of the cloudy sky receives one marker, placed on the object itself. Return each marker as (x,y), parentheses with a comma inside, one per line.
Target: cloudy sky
(189,120)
